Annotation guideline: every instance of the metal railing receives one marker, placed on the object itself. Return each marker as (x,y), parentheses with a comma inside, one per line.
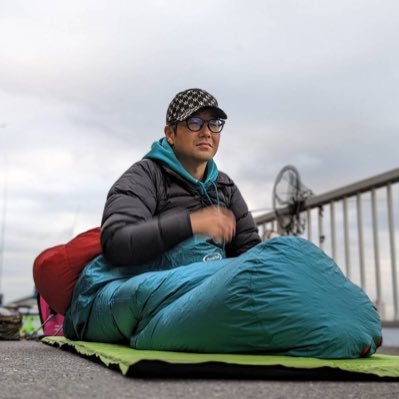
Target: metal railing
(364,214)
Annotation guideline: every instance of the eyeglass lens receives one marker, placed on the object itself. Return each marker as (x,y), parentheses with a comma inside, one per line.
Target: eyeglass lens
(214,125)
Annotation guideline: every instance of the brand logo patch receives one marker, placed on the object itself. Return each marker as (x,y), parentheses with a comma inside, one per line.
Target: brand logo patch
(211,257)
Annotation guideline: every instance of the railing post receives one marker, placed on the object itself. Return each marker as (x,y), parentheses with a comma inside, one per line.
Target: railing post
(321,230)
(262,230)
(332,228)
(360,238)
(346,238)
(393,251)
(309,224)
(376,250)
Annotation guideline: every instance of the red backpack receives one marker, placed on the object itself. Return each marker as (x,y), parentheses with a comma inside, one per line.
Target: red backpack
(56,270)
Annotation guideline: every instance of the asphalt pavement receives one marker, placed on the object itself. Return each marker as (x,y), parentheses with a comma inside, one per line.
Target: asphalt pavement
(31,369)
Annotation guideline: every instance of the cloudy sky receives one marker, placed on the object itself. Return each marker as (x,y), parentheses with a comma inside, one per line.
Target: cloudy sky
(84,87)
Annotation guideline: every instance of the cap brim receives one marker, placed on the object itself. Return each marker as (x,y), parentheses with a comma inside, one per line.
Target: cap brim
(220,113)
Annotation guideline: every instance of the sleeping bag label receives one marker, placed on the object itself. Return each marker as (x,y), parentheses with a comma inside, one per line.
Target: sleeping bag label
(213,256)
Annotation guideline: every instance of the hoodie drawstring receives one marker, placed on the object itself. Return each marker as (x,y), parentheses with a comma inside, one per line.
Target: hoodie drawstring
(204,192)
(217,194)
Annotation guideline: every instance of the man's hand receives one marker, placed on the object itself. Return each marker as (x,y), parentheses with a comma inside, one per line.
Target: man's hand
(218,223)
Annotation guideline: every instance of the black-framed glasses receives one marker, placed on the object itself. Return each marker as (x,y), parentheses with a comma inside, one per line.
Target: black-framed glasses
(195,124)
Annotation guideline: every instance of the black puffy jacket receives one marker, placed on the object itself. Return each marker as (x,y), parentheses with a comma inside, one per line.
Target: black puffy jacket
(147,212)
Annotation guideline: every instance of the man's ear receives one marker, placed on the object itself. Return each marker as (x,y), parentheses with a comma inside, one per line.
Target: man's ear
(169,134)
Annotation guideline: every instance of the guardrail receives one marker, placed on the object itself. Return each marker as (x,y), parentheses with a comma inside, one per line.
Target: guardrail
(364,214)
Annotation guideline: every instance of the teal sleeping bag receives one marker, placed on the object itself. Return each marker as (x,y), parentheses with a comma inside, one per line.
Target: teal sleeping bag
(284,296)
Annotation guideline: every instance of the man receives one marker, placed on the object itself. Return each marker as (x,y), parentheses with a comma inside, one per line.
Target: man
(176,191)
(281,296)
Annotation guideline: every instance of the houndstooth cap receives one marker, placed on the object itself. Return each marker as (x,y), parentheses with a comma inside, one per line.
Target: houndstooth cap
(189,101)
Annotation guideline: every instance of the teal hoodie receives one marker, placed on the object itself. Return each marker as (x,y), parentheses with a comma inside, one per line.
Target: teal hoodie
(162,151)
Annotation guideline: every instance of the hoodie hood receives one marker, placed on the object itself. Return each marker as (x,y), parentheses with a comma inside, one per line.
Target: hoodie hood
(162,151)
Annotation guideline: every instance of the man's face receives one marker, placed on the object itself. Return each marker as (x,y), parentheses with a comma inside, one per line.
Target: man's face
(194,147)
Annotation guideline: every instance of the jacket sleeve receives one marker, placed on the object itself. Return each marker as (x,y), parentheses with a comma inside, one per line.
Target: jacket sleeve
(246,231)
(132,232)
